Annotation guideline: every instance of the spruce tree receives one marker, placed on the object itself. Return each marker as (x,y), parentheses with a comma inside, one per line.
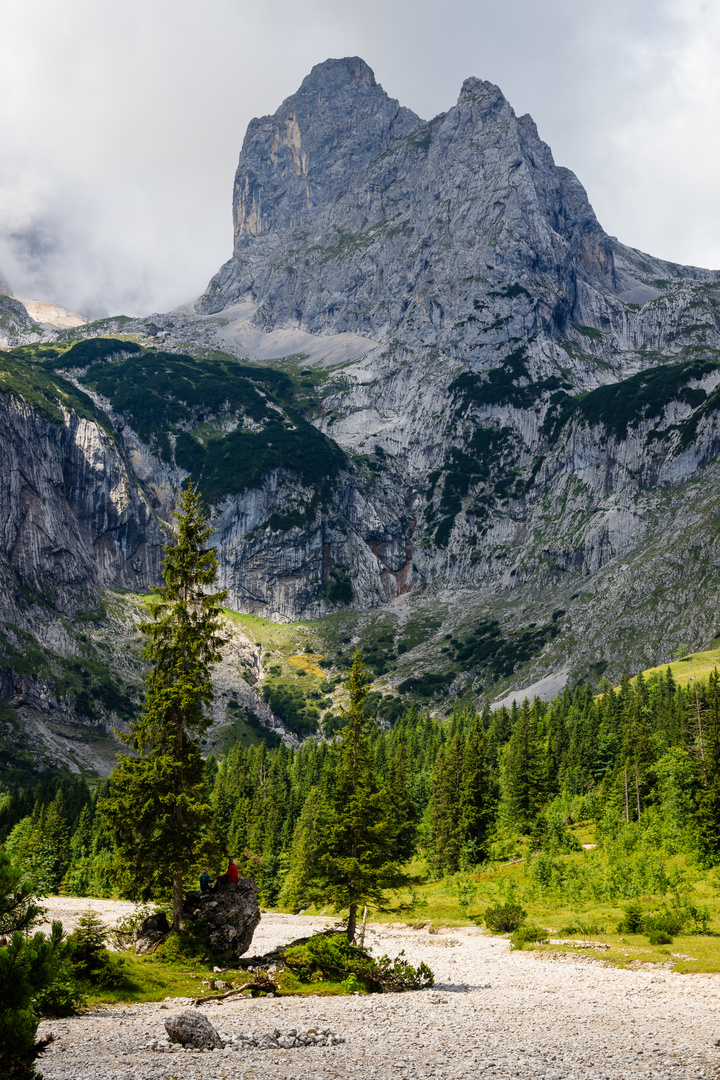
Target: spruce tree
(477,794)
(297,890)
(446,825)
(524,769)
(158,811)
(27,966)
(358,857)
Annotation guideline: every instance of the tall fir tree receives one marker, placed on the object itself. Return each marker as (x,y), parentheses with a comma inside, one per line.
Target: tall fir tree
(478,797)
(446,824)
(363,844)
(158,810)
(524,769)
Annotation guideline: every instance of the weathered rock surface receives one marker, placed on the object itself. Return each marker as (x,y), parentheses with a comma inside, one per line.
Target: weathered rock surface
(17,326)
(151,931)
(192,1029)
(231,914)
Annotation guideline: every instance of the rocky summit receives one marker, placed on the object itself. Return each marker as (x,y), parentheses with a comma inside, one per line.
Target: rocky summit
(427,383)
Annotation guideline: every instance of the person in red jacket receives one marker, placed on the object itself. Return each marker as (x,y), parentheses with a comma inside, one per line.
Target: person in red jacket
(229,877)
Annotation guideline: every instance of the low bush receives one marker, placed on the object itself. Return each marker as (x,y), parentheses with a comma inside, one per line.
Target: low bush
(526,934)
(632,920)
(397,975)
(331,957)
(698,917)
(193,943)
(90,960)
(64,996)
(122,934)
(579,927)
(504,918)
(669,921)
(28,967)
(659,937)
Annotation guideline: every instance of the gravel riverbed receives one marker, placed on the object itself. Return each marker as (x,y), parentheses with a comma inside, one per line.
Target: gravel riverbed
(493,1013)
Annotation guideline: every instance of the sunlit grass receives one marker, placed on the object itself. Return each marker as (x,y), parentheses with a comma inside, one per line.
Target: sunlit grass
(461,900)
(697,666)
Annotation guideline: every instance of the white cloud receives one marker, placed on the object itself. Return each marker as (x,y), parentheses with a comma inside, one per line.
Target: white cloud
(121,123)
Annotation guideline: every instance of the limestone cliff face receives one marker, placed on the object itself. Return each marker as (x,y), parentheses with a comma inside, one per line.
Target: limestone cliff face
(297,162)
(490,297)
(16,325)
(411,220)
(73,518)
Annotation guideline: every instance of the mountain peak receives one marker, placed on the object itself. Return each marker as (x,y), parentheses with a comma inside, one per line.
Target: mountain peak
(344,70)
(306,155)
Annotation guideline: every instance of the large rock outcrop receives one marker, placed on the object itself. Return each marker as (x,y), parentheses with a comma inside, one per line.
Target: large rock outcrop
(231,914)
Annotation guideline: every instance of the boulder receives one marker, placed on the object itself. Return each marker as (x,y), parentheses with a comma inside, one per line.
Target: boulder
(151,931)
(192,1029)
(230,912)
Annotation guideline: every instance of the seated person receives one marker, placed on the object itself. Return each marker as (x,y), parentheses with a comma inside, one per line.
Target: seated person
(230,876)
(205,880)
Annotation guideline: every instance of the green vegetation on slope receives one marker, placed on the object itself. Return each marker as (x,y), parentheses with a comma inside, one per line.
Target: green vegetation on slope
(228,424)
(231,423)
(620,406)
(24,377)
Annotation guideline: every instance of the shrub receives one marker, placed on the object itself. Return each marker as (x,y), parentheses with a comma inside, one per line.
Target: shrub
(659,937)
(397,975)
(504,918)
(91,961)
(64,996)
(88,939)
(332,957)
(632,921)
(700,917)
(27,967)
(192,943)
(667,921)
(525,934)
(122,934)
(577,926)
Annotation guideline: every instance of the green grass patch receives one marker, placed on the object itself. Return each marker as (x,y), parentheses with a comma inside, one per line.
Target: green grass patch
(697,666)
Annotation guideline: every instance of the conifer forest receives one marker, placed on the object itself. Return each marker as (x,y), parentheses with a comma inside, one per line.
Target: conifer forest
(641,762)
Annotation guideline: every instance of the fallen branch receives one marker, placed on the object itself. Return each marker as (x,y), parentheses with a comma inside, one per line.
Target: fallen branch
(267,986)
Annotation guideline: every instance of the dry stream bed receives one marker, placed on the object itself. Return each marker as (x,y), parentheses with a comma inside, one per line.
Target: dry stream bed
(493,1013)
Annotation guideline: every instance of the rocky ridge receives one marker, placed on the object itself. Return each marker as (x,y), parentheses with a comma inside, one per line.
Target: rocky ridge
(477,299)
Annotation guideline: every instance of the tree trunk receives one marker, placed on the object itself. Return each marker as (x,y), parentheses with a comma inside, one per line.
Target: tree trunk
(637,789)
(364,925)
(352,923)
(177,901)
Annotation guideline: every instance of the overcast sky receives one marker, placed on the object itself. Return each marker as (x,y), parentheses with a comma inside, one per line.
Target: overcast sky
(121,122)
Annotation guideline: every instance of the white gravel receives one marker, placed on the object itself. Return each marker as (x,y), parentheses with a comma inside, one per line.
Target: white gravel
(493,1013)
